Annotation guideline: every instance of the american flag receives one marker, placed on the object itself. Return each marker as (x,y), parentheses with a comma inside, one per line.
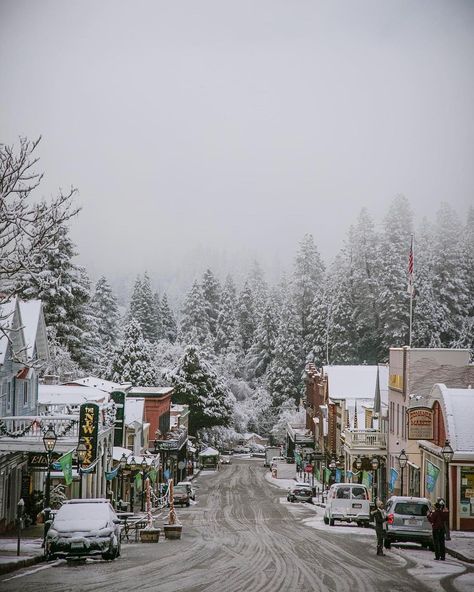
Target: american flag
(411,265)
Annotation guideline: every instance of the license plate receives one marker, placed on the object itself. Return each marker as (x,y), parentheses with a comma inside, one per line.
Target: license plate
(413,522)
(76,546)
(357,505)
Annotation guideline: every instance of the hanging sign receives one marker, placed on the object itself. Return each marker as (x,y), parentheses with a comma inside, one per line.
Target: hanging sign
(118,397)
(38,461)
(89,431)
(420,423)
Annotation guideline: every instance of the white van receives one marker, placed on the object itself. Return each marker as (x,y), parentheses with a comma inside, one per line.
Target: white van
(347,502)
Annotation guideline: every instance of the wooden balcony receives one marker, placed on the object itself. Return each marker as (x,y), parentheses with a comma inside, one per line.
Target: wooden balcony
(364,439)
(24,433)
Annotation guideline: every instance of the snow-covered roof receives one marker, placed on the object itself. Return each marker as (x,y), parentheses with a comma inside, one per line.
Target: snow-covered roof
(118,452)
(150,390)
(209,452)
(134,410)
(104,385)
(58,394)
(458,404)
(30,319)
(351,382)
(383,383)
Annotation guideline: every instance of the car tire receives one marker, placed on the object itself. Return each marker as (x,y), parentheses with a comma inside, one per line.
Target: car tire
(387,544)
(331,521)
(188,504)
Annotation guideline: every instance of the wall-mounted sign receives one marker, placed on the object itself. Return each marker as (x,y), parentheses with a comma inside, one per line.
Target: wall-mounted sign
(420,424)
(167,444)
(38,461)
(118,397)
(395,382)
(89,431)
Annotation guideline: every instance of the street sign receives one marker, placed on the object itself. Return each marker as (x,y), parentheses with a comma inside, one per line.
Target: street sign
(308,469)
(181,465)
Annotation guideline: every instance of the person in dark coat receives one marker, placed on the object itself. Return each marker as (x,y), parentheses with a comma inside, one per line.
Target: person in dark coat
(438,519)
(380,517)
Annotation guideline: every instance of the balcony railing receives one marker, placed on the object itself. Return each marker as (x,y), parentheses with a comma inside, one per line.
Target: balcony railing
(173,440)
(365,439)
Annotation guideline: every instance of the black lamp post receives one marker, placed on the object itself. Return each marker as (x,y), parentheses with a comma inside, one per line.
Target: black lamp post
(81,451)
(402,461)
(122,465)
(448,454)
(332,467)
(358,463)
(133,467)
(49,442)
(144,466)
(375,465)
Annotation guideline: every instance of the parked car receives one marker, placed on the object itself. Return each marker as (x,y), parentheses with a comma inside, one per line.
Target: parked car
(84,527)
(189,487)
(241,450)
(275,459)
(347,502)
(300,492)
(258,454)
(407,521)
(181,495)
(225,460)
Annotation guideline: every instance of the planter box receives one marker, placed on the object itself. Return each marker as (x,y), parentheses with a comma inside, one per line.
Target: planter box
(173,531)
(150,535)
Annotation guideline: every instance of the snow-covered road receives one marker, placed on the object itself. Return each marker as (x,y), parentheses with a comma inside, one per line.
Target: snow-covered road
(243,536)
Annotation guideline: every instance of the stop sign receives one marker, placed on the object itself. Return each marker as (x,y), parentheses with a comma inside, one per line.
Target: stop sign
(308,469)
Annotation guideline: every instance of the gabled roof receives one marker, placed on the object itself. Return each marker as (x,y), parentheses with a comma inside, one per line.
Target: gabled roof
(134,409)
(150,391)
(351,382)
(10,320)
(34,328)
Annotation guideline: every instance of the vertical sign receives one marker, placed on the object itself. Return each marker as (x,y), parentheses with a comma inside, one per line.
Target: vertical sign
(89,431)
(118,397)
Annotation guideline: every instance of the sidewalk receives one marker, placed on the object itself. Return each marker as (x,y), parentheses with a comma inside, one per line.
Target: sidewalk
(31,551)
(461,546)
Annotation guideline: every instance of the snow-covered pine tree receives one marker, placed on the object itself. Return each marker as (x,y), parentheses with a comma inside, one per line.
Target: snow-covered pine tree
(194,328)
(363,243)
(63,288)
(142,308)
(342,334)
(107,314)
(317,343)
(258,287)
(168,322)
(285,371)
(428,318)
(196,384)
(308,276)
(131,361)
(450,285)
(466,330)
(262,351)
(227,333)
(60,363)
(246,317)
(89,352)
(158,316)
(393,301)
(211,292)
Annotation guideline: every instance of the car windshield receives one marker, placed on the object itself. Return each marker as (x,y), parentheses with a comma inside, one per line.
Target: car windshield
(411,509)
(180,489)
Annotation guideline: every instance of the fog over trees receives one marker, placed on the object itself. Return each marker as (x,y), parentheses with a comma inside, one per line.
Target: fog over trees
(238,347)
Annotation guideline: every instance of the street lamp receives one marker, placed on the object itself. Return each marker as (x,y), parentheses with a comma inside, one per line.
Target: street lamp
(81,451)
(402,461)
(133,467)
(358,463)
(375,465)
(144,466)
(122,465)
(49,442)
(448,454)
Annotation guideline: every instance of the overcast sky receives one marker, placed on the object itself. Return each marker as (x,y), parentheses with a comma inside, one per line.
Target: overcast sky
(234,127)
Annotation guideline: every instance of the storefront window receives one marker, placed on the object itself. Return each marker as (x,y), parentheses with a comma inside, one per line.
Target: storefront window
(466,506)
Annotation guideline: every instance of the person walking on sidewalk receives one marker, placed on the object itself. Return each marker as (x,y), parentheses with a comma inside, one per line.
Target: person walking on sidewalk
(438,519)
(380,517)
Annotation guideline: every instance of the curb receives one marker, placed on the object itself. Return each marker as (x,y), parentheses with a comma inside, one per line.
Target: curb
(14,565)
(458,555)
